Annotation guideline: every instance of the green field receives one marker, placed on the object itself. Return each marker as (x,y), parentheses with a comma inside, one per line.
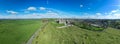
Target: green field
(75,35)
(17,31)
(20,31)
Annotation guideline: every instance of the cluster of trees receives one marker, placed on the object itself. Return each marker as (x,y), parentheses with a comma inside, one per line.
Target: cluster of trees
(114,24)
(95,24)
(88,26)
(101,24)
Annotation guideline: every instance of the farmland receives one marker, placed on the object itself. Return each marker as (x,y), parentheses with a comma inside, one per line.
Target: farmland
(17,31)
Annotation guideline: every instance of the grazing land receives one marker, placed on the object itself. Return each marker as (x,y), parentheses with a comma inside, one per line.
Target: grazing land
(20,31)
(17,31)
(75,35)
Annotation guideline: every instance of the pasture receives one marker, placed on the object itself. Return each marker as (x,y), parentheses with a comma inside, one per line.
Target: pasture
(17,31)
(75,35)
(20,31)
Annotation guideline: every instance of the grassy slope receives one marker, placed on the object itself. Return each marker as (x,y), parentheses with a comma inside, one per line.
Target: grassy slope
(74,35)
(17,31)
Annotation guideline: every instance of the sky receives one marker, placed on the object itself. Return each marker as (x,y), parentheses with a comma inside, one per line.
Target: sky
(96,9)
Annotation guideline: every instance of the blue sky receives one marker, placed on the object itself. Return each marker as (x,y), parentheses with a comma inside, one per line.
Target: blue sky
(99,9)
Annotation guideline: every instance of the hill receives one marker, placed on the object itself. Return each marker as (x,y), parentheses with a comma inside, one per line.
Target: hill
(75,35)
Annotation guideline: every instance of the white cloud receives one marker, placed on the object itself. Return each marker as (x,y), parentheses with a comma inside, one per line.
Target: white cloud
(31,8)
(49,11)
(114,14)
(12,12)
(114,11)
(52,14)
(81,5)
(106,13)
(89,8)
(42,8)
(36,14)
(26,11)
(98,14)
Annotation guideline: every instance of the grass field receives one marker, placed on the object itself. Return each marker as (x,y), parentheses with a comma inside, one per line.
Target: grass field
(74,35)
(17,31)
(20,31)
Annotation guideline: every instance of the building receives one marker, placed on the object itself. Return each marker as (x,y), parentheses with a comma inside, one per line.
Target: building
(64,21)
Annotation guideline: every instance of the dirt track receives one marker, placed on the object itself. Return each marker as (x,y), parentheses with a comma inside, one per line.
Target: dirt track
(35,34)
